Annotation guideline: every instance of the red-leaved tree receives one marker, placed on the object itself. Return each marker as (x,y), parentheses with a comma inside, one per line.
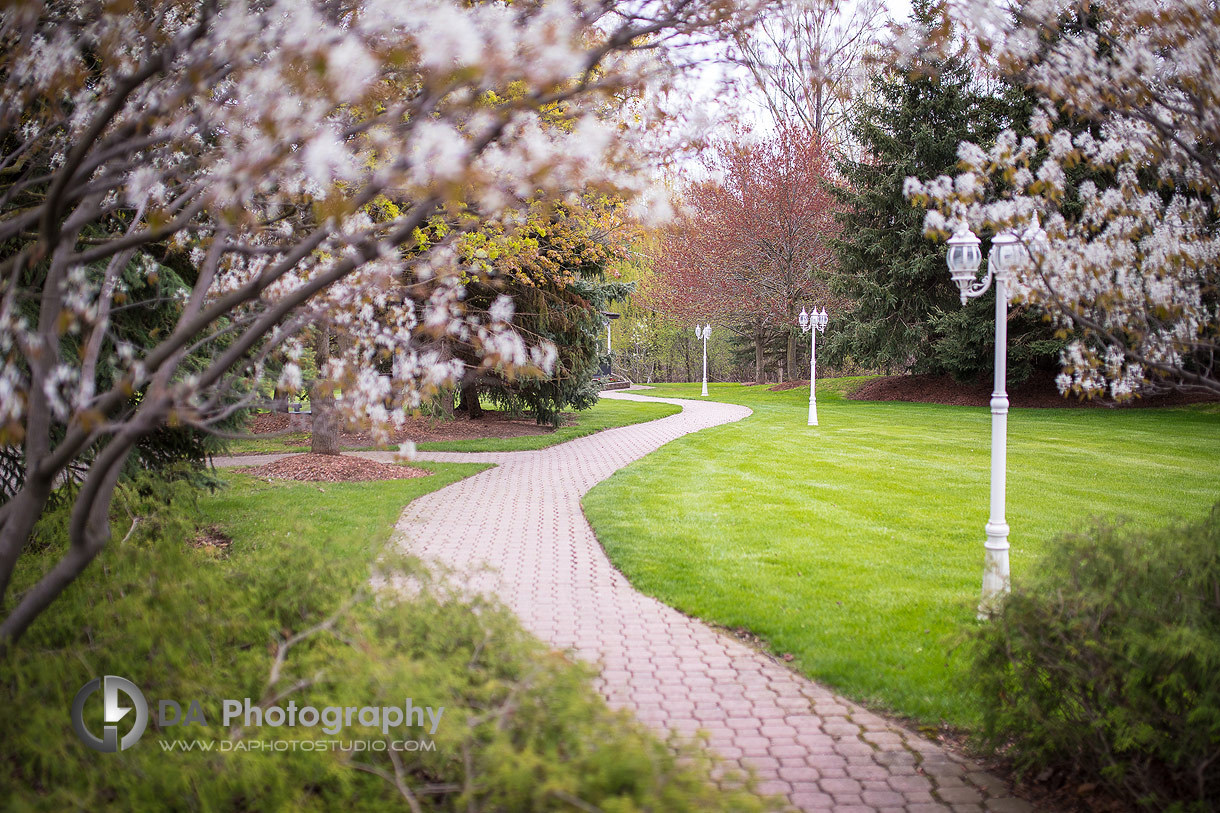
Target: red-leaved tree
(752,243)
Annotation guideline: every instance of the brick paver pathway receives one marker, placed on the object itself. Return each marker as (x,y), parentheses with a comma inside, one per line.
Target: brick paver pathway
(820,751)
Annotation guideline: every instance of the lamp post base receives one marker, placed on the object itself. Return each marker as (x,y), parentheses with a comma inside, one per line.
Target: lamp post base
(995,579)
(813,414)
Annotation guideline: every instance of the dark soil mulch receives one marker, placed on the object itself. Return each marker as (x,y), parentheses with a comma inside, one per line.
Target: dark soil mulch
(268,422)
(211,539)
(1039,390)
(794,384)
(330,468)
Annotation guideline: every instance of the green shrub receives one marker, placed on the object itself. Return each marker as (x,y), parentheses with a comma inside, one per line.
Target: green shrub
(1107,659)
(522,728)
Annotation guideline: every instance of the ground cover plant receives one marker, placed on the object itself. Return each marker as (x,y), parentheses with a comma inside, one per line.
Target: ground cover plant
(1103,661)
(206,591)
(856,546)
(606,414)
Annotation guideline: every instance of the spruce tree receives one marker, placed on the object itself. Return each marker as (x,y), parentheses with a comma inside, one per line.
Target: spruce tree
(906,314)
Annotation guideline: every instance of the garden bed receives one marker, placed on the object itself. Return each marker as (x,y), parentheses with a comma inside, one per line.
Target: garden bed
(332,468)
(421,430)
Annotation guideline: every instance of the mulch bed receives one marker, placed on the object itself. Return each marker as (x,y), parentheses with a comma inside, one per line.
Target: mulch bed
(1038,391)
(420,430)
(329,468)
(794,384)
(211,539)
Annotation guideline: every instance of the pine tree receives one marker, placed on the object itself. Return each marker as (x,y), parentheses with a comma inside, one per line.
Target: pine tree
(906,314)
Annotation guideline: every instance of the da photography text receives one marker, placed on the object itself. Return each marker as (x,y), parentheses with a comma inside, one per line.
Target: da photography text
(120,696)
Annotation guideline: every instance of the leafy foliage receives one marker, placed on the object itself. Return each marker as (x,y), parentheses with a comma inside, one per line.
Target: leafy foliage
(150,291)
(521,730)
(1128,203)
(553,270)
(753,246)
(905,313)
(1106,658)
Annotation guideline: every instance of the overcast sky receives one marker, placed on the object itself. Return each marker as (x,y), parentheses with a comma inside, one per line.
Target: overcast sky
(706,85)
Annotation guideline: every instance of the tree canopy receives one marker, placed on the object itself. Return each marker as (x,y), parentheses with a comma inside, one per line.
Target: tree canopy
(752,244)
(252,139)
(905,314)
(1129,262)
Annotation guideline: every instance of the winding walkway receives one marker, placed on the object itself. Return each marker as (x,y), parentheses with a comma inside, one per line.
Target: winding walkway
(523,518)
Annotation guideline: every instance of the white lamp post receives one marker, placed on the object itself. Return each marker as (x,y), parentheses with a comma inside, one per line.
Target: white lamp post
(813,324)
(964,259)
(704,333)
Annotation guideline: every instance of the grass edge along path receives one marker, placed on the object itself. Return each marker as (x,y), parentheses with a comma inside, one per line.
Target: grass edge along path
(190,622)
(605,414)
(856,546)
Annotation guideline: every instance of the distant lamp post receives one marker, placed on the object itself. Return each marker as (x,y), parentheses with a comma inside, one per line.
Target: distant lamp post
(704,333)
(813,324)
(964,259)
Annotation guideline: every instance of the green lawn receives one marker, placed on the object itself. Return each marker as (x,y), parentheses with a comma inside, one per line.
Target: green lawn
(606,414)
(347,522)
(522,728)
(856,546)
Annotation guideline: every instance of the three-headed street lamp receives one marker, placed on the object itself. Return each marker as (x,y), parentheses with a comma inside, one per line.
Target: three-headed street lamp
(704,333)
(813,324)
(964,258)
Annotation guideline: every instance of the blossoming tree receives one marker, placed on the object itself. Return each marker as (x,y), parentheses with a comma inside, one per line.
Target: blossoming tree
(753,243)
(253,143)
(1130,259)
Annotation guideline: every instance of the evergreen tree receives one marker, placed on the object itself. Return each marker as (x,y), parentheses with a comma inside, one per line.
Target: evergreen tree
(554,271)
(149,291)
(906,314)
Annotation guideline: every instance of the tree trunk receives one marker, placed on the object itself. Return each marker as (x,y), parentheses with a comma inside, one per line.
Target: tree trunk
(324,434)
(19,520)
(792,364)
(758,358)
(470,401)
(88,532)
(448,402)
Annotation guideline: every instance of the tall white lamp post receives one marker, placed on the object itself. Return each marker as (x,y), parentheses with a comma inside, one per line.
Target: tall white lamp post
(704,333)
(964,259)
(813,324)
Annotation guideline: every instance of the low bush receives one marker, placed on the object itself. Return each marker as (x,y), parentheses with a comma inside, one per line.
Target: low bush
(289,617)
(1106,660)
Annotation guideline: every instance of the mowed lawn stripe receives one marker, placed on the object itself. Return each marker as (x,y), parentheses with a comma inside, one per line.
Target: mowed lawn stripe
(856,545)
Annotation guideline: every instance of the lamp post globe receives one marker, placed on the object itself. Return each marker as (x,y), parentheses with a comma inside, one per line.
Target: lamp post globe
(964,257)
(704,333)
(1006,251)
(813,324)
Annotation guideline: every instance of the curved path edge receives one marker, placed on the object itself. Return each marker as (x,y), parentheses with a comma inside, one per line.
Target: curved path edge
(517,531)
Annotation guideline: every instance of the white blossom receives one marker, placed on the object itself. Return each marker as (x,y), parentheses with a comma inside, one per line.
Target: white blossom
(1129,258)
